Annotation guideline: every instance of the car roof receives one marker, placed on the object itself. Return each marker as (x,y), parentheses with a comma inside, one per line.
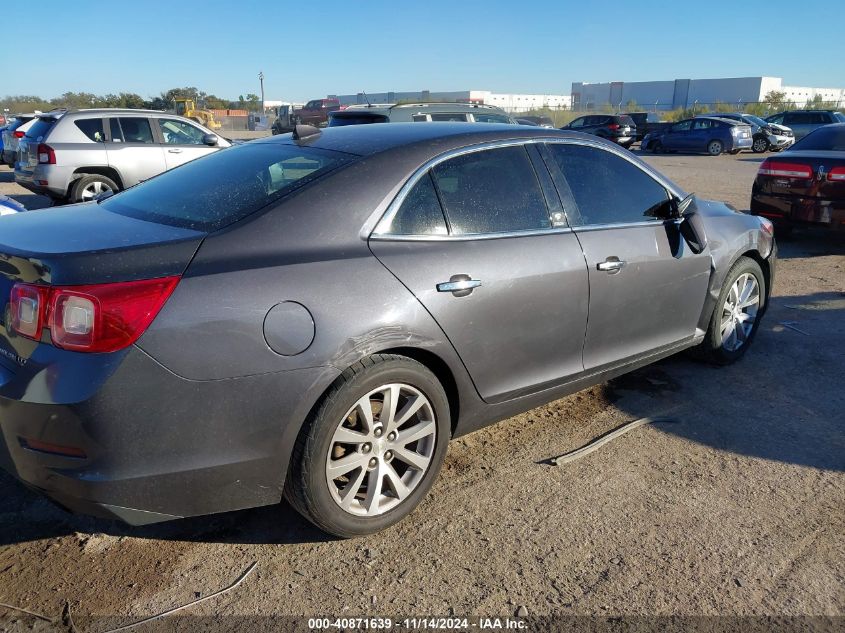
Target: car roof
(433,106)
(366,140)
(103,111)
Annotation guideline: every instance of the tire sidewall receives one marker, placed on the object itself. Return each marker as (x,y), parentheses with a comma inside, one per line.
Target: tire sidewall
(721,148)
(714,339)
(322,506)
(87,180)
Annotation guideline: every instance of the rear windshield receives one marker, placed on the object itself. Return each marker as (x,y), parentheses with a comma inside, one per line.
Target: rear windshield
(626,120)
(39,129)
(348,118)
(828,138)
(16,123)
(226,186)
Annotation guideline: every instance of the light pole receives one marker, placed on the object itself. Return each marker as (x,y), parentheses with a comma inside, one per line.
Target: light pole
(261,79)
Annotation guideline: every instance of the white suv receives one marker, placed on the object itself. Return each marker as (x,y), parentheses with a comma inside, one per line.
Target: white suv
(77,155)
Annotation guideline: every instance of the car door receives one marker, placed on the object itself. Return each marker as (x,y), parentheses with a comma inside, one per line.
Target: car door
(800,123)
(507,285)
(132,149)
(700,134)
(182,141)
(677,138)
(647,288)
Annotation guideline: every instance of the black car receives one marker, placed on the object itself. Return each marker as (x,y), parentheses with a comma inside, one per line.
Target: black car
(804,185)
(645,121)
(619,128)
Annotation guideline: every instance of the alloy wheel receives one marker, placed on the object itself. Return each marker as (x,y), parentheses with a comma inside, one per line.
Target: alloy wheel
(714,148)
(739,312)
(381,450)
(93,190)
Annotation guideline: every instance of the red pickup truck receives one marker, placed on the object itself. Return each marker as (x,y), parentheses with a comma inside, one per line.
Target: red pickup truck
(316,111)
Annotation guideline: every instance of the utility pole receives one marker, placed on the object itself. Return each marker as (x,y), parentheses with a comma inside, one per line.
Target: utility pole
(261,79)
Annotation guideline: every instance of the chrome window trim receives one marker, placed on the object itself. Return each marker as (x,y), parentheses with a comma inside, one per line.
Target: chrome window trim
(382,226)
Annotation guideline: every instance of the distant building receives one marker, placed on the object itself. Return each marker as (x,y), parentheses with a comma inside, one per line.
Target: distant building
(684,93)
(508,102)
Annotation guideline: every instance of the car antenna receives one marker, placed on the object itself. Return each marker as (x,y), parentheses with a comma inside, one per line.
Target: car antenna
(367,99)
(302,132)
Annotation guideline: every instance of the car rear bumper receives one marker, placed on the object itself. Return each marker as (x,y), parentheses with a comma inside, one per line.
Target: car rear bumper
(48,180)
(780,142)
(150,446)
(795,210)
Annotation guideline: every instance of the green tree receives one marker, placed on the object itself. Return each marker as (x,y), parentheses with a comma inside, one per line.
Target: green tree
(775,99)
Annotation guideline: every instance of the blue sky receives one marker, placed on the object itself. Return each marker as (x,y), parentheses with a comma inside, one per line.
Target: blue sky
(309,49)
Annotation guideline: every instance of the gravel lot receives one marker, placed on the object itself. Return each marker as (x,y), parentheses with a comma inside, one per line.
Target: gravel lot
(735,509)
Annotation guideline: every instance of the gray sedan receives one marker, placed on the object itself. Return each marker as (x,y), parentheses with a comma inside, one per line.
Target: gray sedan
(318,314)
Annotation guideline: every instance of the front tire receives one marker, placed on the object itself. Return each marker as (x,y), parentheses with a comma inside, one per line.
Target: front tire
(760,145)
(737,314)
(371,450)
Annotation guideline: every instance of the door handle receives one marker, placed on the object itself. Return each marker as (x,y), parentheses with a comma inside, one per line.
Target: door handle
(175,151)
(612,265)
(459,285)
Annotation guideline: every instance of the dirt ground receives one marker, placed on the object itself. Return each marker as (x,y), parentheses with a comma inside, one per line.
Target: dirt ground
(737,508)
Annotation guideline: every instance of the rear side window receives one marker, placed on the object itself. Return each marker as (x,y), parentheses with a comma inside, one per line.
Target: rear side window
(356,119)
(608,189)
(225,186)
(136,130)
(39,129)
(448,116)
(484,117)
(626,120)
(825,139)
(420,213)
(491,191)
(92,128)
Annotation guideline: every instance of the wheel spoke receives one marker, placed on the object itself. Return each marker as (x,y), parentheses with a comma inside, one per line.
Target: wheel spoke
(338,467)
(729,331)
(365,411)
(347,495)
(348,436)
(374,486)
(415,460)
(416,432)
(410,408)
(388,408)
(396,482)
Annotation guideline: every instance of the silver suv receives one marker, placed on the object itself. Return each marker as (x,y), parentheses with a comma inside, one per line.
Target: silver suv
(77,155)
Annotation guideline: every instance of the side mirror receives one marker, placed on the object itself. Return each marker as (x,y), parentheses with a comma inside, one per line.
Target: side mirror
(692,225)
(210,139)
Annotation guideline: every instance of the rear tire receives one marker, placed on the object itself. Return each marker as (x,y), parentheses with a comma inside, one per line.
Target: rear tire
(729,334)
(656,147)
(349,429)
(715,147)
(88,187)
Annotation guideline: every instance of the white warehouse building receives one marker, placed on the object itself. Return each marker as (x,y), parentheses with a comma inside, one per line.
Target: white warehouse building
(684,93)
(508,102)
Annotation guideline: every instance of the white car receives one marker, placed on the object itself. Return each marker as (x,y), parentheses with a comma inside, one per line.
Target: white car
(17,127)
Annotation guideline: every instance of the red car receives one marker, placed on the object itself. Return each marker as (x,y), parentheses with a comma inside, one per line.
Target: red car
(804,185)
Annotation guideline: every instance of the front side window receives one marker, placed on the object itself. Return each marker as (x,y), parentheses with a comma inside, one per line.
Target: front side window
(491,191)
(578,122)
(420,213)
(448,116)
(607,188)
(177,132)
(225,187)
(136,130)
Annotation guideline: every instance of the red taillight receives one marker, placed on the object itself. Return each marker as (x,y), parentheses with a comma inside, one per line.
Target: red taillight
(46,155)
(613,126)
(19,134)
(784,170)
(95,318)
(837,174)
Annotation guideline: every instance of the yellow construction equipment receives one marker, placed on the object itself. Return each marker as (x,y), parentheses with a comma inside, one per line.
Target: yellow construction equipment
(187,107)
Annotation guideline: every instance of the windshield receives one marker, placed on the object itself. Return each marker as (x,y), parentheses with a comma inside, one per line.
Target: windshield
(827,138)
(226,186)
(756,120)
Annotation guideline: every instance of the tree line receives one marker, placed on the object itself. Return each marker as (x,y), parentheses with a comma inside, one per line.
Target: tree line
(163,101)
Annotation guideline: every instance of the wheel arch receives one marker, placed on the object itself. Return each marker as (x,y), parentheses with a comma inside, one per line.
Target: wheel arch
(81,172)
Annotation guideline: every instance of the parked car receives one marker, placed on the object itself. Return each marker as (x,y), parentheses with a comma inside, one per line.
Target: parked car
(541,121)
(79,155)
(221,333)
(9,205)
(765,135)
(708,134)
(802,122)
(316,112)
(11,137)
(284,121)
(645,122)
(619,128)
(804,185)
(419,112)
